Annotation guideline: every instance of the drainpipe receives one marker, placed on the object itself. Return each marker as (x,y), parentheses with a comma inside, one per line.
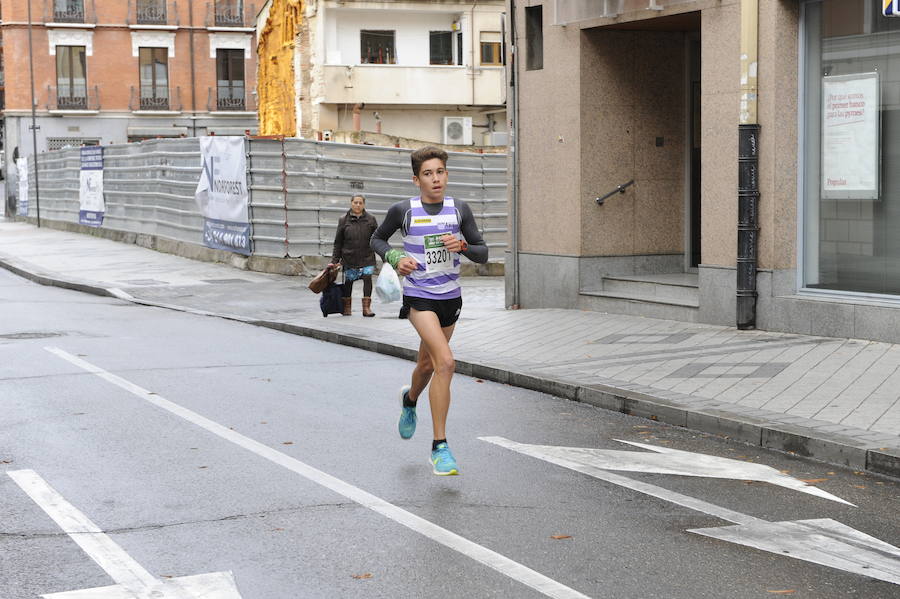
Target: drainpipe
(748,170)
(472,48)
(193,71)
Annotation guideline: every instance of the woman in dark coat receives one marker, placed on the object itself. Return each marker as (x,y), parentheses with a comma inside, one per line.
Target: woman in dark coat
(351,248)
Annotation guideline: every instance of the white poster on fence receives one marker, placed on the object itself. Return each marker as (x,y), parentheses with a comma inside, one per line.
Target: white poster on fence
(850,137)
(92,206)
(22,177)
(222,194)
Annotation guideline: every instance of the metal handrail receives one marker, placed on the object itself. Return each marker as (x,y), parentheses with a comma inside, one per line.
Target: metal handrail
(618,189)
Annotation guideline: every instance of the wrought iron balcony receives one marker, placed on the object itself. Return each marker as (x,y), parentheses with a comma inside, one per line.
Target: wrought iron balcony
(69,11)
(230,99)
(229,13)
(73,98)
(158,98)
(150,12)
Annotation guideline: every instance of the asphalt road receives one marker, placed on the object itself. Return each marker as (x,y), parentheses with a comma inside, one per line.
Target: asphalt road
(198,445)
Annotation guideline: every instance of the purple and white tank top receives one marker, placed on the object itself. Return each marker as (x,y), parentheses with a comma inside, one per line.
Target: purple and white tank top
(437,274)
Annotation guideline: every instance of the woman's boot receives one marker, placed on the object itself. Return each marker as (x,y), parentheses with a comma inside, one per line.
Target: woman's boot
(348,310)
(367,306)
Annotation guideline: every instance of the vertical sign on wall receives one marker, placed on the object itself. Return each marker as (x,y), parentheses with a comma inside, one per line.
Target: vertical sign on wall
(222,194)
(22,177)
(90,194)
(891,8)
(850,137)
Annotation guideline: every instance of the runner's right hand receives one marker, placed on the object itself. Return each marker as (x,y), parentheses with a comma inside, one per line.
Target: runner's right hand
(406,265)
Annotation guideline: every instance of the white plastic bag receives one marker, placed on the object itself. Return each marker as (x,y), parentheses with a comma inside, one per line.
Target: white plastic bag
(387,287)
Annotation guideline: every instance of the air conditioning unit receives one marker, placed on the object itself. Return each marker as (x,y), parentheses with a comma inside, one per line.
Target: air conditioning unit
(458,130)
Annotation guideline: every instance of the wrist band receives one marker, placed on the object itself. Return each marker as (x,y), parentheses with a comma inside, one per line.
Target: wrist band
(392,257)
(463,245)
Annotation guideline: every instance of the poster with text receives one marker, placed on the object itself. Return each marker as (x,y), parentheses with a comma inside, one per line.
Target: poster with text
(222,194)
(22,177)
(92,206)
(850,137)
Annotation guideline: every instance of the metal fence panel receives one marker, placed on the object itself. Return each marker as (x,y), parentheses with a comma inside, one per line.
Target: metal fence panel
(298,190)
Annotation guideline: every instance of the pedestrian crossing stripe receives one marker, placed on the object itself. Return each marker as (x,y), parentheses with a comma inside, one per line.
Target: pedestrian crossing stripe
(891,8)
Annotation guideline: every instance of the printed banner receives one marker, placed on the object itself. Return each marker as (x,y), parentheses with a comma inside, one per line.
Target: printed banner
(22,177)
(90,194)
(222,194)
(850,137)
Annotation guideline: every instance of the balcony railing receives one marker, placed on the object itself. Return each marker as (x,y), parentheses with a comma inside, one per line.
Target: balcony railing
(151,12)
(159,98)
(69,11)
(230,99)
(229,13)
(74,97)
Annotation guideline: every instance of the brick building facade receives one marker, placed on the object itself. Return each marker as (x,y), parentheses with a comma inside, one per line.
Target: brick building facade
(114,71)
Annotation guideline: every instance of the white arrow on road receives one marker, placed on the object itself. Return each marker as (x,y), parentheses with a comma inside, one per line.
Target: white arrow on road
(823,541)
(684,463)
(132,580)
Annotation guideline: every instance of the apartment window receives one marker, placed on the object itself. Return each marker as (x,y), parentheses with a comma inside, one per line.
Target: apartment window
(229,13)
(230,79)
(440,47)
(154,72)
(491,48)
(68,11)
(151,12)
(377,47)
(534,38)
(71,77)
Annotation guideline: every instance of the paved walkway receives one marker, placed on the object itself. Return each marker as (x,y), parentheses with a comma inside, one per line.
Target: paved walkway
(833,399)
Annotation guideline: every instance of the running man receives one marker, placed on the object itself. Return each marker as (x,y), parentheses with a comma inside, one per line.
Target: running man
(429,262)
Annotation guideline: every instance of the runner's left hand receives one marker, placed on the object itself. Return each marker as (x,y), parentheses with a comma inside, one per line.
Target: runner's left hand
(451,243)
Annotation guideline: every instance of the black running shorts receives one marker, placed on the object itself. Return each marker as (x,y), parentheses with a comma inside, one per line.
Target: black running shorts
(447,310)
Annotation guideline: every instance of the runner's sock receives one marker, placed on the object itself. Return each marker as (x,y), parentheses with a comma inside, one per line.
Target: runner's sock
(436,442)
(407,402)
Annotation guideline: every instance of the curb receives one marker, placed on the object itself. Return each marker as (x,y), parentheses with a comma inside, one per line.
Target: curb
(832,448)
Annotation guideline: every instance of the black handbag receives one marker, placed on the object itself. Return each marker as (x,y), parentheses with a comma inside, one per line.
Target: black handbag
(332,300)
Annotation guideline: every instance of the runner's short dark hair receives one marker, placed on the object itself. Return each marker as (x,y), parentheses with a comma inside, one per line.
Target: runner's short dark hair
(427,153)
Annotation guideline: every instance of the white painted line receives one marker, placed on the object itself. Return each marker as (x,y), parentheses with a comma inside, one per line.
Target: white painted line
(99,547)
(492,559)
(824,541)
(132,580)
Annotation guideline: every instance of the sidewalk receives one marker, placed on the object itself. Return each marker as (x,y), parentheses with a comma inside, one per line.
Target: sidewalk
(836,400)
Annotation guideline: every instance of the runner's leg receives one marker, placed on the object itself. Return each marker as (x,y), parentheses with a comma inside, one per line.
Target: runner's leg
(436,343)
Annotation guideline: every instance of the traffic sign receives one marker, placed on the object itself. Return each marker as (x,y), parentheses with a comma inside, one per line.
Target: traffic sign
(891,8)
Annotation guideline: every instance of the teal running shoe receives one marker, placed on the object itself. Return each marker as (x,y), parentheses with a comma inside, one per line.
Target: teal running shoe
(407,425)
(442,461)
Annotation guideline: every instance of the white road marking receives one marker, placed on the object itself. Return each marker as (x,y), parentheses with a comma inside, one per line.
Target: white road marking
(492,559)
(132,580)
(666,460)
(823,541)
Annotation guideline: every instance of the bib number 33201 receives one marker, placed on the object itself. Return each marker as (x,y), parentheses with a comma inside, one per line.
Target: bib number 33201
(437,257)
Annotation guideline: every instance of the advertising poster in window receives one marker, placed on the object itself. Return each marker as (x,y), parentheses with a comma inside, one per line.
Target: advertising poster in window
(22,177)
(90,193)
(222,194)
(850,137)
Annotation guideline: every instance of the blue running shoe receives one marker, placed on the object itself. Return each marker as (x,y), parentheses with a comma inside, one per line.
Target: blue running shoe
(407,425)
(442,461)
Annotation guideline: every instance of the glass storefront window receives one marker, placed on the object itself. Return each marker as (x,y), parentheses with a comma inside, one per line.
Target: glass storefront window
(851,147)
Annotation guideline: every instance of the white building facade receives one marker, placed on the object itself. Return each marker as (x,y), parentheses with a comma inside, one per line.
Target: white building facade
(428,70)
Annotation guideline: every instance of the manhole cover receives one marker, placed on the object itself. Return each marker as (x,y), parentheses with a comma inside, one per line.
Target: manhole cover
(31,335)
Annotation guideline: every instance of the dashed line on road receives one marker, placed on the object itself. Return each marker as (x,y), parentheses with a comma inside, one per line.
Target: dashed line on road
(451,540)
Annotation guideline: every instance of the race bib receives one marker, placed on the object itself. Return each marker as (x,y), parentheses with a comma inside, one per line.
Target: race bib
(437,257)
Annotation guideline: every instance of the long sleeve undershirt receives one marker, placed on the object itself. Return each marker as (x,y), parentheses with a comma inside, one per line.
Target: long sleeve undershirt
(398,217)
